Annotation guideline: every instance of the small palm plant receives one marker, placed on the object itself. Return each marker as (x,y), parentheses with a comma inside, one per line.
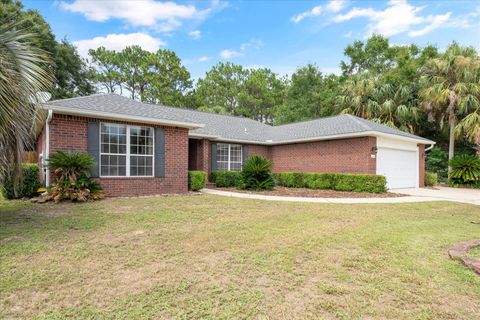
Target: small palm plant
(72,182)
(465,169)
(257,174)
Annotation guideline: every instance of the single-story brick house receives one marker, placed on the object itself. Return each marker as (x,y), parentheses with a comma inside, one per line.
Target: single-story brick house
(144,149)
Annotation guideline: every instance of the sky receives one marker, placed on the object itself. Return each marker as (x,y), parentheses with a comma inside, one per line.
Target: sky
(280,35)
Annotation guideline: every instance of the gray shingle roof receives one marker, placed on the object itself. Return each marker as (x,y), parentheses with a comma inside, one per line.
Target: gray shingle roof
(228,127)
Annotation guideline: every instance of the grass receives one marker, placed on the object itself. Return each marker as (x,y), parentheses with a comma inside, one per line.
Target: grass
(207,257)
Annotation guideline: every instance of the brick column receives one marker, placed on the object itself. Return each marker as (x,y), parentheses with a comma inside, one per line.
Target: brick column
(421,165)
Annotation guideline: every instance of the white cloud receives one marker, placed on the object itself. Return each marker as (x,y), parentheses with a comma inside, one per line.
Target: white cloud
(228,54)
(315,11)
(332,6)
(118,42)
(435,23)
(162,16)
(252,44)
(196,34)
(203,59)
(336,5)
(398,17)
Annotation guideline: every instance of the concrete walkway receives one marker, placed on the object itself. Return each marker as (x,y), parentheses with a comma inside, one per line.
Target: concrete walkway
(415,195)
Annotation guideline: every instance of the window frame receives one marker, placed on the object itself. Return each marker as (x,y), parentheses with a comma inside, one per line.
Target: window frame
(127,154)
(229,156)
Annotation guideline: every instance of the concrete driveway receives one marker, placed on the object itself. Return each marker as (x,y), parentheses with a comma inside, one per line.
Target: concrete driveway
(471,196)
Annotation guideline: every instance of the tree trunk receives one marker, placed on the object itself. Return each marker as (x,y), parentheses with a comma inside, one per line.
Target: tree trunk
(452,121)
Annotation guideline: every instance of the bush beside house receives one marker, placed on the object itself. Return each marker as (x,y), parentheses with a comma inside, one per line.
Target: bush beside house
(71,179)
(256,174)
(431,179)
(196,180)
(226,179)
(333,181)
(29,185)
(465,171)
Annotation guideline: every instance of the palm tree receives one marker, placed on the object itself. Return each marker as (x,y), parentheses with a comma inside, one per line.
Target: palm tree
(470,127)
(373,98)
(451,87)
(24,73)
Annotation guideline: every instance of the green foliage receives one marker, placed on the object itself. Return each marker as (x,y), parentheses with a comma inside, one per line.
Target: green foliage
(333,181)
(465,170)
(437,162)
(226,179)
(72,182)
(256,174)
(196,180)
(431,179)
(71,165)
(309,95)
(72,76)
(24,72)
(29,185)
(156,77)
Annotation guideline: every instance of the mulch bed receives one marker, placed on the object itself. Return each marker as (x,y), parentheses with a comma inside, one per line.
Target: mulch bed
(314,193)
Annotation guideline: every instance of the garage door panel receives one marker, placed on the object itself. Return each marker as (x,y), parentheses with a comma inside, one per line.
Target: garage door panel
(398,166)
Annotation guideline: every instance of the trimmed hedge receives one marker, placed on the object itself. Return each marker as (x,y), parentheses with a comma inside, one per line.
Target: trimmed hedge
(334,181)
(196,180)
(431,179)
(226,178)
(30,183)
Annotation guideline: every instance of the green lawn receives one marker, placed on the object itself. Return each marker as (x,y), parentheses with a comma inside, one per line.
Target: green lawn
(205,257)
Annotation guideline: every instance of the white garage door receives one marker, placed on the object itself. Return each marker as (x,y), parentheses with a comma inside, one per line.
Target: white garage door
(400,167)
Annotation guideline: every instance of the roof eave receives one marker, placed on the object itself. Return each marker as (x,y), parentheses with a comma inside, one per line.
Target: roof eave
(122,117)
(313,139)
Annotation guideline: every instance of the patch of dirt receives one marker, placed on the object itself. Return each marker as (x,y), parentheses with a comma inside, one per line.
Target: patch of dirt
(315,193)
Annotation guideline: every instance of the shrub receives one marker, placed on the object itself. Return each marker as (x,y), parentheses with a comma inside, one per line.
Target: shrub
(256,174)
(226,178)
(431,179)
(333,181)
(29,185)
(437,162)
(196,180)
(465,170)
(72,182)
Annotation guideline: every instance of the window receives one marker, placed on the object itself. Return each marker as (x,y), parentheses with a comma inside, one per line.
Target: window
(229,157)
(125,150)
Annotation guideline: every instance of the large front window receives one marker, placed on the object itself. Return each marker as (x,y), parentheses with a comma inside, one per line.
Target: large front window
(229,157)
(126,150)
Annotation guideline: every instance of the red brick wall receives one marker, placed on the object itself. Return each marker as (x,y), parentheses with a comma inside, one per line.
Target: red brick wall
(421,165)
(342,155)
(259,150)
(69,133)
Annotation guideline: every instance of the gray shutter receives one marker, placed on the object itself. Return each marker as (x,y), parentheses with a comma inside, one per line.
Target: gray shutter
(244,153)
(213,157)
(159,152)
(93,146)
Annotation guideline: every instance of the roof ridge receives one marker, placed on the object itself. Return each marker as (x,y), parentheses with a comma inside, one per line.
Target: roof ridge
(80,97)
(359,121)
(311,120)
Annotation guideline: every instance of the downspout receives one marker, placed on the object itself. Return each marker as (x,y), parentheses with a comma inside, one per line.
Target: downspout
(47,146)
(429,148)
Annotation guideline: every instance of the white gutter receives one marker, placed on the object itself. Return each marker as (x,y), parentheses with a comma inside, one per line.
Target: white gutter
(312,139)
(47,146)
(430,148)
(123,117)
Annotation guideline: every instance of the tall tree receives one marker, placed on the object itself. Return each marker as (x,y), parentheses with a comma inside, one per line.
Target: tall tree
(375,55)
(23,75)
(309,95)
(71,72)
(451,87)
(222,86)
(106,69)
(261,92)
(170,81)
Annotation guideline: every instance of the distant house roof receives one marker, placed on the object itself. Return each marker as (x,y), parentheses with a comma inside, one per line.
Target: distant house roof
(222,127)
